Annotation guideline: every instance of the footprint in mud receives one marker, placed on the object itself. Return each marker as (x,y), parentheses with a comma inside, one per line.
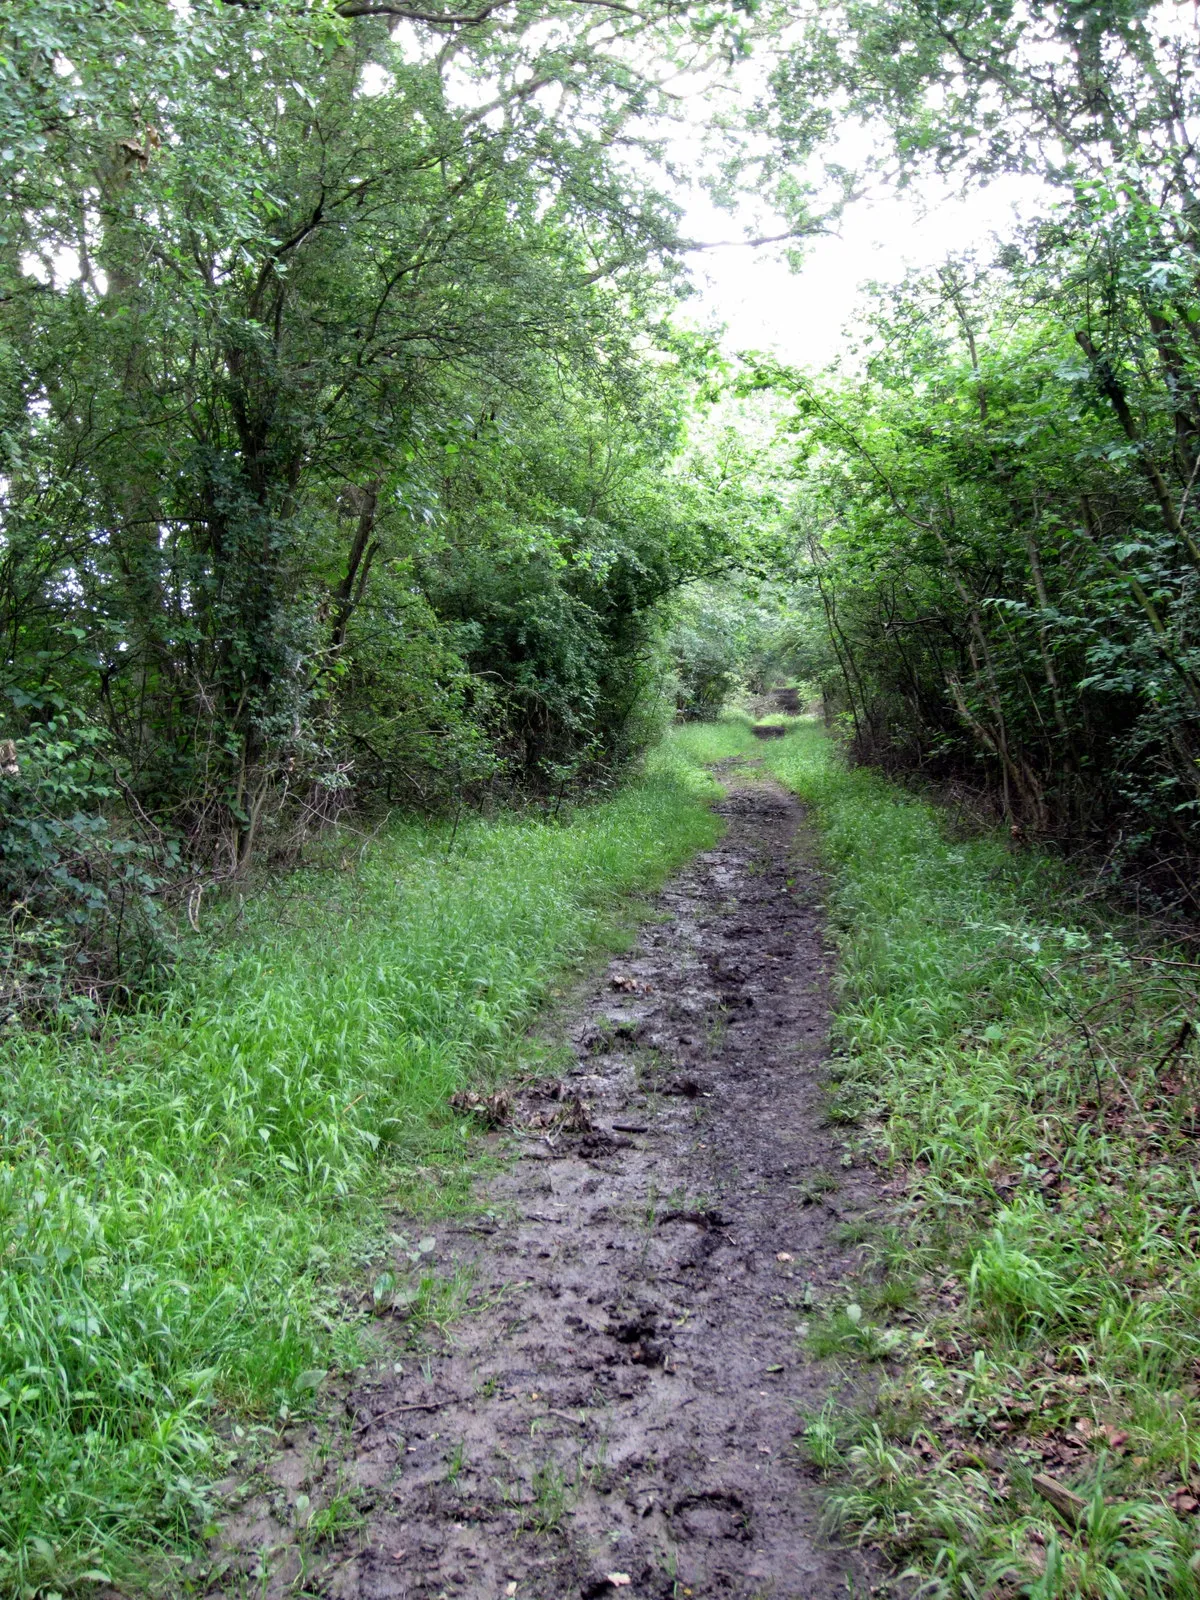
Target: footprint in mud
(713,1514)
(615,1412)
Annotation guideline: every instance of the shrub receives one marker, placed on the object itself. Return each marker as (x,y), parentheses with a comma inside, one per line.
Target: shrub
(81,923)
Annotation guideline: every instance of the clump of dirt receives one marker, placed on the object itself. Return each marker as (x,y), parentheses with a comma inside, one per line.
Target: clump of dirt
(493,1110)
(618,1411)
(788,701)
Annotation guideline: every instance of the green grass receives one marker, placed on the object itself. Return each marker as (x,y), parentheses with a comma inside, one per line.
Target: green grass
(183,1198)
(703,742)
(1010,1045)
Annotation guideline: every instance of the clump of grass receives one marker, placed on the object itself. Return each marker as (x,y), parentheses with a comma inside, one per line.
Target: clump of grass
(845,1330)
(820,1438)
(1029,1081)
(182,1197)
(705,742)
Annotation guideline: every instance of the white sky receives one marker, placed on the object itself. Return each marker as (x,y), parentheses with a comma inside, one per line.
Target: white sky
(800,316)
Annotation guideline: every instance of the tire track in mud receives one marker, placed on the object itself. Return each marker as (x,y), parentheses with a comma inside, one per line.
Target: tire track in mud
(622,1403)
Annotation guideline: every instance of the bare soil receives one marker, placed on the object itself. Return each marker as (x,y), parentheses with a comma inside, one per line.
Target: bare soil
(617,1411)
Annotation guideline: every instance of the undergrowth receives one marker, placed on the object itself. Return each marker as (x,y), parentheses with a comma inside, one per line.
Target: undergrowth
(1021,1064)
(184,1196)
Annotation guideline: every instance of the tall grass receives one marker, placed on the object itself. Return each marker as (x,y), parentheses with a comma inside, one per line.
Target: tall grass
(182,1198)
(1016,1056)
(705,743)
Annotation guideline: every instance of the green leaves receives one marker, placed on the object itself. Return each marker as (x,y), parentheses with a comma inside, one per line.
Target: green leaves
(995,538)
(334,407)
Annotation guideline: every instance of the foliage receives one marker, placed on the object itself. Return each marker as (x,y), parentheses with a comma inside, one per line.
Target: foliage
(999,511)
(185,1194)
(737,629)
(337,398)
(704,648)
(982,86)
(81,911)
(731,635)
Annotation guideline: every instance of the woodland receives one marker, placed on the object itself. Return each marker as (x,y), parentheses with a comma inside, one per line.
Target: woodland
(352,458)
(363,478)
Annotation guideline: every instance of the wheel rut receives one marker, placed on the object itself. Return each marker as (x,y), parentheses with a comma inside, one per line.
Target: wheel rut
(617,1413)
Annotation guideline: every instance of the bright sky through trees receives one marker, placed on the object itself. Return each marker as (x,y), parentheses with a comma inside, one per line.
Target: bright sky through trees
(802,316)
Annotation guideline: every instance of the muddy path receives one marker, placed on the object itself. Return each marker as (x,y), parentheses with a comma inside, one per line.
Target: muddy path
(617,1413)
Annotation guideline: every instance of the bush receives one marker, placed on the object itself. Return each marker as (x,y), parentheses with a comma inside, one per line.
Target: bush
(82,924)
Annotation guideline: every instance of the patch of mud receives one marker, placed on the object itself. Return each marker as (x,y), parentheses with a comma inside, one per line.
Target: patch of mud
(618,1413)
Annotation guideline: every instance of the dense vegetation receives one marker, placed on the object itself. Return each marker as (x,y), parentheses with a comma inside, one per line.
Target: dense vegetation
(351,457)
(351,462)
(999,500)
(339,407)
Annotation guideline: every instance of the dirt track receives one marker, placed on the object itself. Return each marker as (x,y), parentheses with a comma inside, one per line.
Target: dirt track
(623,1399)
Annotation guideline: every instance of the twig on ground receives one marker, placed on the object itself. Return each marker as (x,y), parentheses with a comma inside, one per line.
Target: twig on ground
(1065,1501)
(416,1405)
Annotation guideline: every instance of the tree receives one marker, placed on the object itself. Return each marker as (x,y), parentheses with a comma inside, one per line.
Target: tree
(301,310)
(1002,515)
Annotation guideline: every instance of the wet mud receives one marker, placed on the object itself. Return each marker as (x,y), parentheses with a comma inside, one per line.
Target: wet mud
(617,1411)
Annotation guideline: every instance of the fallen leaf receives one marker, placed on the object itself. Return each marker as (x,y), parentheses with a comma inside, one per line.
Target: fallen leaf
(619,1580)
(491,1109)
(1104,1433)
(574,1118)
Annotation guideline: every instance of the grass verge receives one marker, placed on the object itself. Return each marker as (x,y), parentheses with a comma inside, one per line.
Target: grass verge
(182,1198)
(1022,1066)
